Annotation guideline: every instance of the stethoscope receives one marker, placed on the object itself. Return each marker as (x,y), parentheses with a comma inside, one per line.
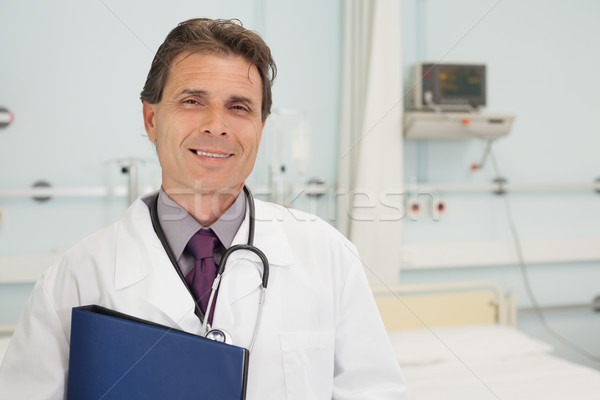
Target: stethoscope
(220,335)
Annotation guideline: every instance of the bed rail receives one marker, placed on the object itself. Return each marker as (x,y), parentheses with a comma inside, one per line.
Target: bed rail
(444,304)
(6,329)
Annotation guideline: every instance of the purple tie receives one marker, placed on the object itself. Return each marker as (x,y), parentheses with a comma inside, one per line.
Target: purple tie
(200,279)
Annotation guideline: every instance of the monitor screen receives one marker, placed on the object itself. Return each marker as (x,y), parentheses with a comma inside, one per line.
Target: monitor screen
(452,87)
(461,81)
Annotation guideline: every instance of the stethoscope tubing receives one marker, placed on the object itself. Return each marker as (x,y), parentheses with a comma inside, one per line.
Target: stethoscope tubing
(249,246)
(215,286)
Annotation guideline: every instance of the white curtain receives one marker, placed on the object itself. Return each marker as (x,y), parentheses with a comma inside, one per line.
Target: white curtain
(370,204)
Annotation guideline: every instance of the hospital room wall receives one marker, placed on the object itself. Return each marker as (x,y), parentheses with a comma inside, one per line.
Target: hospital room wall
(72,72)
(542,68)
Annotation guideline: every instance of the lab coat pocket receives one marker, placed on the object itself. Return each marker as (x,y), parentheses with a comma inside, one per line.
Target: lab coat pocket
(308,364)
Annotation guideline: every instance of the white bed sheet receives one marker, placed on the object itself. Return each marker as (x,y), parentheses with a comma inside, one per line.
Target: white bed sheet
(470,369)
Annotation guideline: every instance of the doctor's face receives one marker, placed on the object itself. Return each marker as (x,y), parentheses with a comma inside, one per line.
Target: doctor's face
(207,126)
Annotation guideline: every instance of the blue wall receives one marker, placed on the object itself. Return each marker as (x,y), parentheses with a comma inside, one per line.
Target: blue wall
(72,72)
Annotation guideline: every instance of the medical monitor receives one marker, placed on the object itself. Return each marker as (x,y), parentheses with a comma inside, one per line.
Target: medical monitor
(448,87)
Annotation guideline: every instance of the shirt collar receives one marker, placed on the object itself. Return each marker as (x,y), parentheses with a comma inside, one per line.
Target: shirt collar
(179,226)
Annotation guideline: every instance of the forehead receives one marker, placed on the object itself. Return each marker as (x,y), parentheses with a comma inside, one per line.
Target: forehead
(213,71)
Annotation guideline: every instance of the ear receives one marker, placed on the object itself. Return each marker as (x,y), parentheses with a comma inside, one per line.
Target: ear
(149,111)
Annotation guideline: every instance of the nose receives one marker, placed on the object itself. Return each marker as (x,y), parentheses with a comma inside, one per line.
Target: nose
(215,122)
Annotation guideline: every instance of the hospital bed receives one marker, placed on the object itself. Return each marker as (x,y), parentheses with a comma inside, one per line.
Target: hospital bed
(459,341)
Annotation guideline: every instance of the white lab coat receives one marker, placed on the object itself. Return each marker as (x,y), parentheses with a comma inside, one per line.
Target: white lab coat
(320,335)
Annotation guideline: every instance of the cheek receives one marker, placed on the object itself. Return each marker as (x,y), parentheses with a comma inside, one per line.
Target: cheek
(255,137)
(168,145)
(246,135)
(172,132)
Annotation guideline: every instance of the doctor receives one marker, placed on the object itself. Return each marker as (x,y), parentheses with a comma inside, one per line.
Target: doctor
(205,103)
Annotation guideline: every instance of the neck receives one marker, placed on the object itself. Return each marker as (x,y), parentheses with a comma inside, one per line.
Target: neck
(206,207)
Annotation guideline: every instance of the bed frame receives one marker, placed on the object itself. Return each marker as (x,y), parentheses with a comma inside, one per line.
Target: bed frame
(444,304)
(6,330)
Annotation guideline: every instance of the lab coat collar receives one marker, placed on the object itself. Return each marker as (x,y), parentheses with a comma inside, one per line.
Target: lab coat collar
(140,255)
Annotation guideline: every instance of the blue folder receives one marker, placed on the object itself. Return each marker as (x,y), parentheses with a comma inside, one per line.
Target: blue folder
(117,356)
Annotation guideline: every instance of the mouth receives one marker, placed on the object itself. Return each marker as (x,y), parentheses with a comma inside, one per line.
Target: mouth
(209,154)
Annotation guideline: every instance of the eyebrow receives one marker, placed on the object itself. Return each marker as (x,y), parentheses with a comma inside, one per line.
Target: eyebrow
(193,92)
(242,99)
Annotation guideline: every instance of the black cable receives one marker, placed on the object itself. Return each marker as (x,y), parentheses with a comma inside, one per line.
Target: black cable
(526,280)
(486,153)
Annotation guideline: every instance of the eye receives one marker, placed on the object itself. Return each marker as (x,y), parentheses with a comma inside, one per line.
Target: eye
(239,107)
(191,101)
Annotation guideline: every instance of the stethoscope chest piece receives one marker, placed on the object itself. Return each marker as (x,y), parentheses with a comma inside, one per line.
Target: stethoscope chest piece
(219,335)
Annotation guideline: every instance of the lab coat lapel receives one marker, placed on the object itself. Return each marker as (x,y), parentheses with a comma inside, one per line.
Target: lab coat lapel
(142,265)
(242,277)
(244,269)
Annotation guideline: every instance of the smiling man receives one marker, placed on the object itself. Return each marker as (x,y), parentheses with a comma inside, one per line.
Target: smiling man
(205,103)
(207,128)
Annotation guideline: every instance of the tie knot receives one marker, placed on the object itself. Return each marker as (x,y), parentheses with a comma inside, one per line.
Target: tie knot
(202,244)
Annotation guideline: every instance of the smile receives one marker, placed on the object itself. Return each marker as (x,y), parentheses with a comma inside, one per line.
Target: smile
(212,155)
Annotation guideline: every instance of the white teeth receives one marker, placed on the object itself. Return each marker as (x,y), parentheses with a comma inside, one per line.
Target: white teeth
(213,155)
